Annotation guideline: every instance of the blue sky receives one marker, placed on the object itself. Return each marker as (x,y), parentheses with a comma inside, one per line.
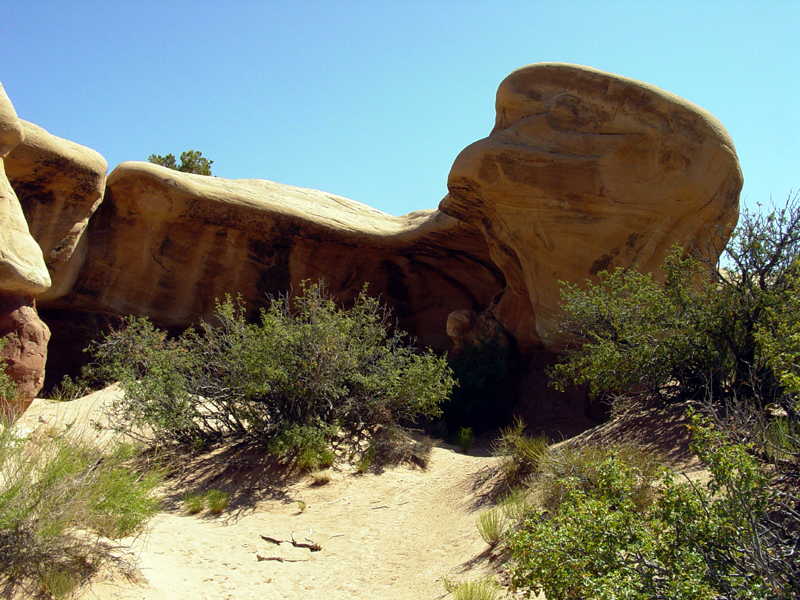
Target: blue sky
(373,100)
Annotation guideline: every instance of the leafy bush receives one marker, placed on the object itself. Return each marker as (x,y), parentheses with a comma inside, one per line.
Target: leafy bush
(309,364)
(688,541)
(724,332)
(307,446)
(58,497)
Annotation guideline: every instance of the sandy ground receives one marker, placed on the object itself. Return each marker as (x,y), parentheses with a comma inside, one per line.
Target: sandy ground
(392,535)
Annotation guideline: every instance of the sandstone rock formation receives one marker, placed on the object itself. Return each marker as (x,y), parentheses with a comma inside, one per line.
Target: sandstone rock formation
(59,185)
(166,244)
(23,274)
(586,171)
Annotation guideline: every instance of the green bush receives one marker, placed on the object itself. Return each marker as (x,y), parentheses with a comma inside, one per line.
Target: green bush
(59,497)
(604,538)
(719,331)
(308,364)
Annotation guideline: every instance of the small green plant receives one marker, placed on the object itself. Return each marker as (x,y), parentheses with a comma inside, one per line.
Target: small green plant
(217,501)
(302,506)
(481,589)
(367,459)
(465,438)
(491,526)
(195,502)
(521,453)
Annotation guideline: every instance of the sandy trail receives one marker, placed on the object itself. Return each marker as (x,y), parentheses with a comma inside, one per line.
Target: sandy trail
(392,535)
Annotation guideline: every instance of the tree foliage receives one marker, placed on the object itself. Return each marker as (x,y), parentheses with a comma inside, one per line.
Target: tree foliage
(192,161)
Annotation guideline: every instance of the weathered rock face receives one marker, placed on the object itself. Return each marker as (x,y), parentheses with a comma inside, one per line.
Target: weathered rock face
(23,274)
(59,185)
(166,244)
(22,268)
(25,352)
(586,171)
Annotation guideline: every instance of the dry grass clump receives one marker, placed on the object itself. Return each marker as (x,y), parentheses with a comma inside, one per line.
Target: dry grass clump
(216,501)
(481,589)
(521,454)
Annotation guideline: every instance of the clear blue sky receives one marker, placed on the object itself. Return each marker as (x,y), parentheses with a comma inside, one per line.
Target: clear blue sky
(373,100)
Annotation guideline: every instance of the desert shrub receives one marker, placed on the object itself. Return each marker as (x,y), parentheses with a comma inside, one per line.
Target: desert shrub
(309,363)
(309,447)
(520,453)
(562,468)
(596,535)
(59,497)
(719,331)
(483,397)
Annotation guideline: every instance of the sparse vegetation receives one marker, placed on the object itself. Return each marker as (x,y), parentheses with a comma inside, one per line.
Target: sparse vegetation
(59,499)
(217,501)
(195,502)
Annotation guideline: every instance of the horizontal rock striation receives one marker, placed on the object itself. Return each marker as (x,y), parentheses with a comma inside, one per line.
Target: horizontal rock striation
(166,244)
(59,185)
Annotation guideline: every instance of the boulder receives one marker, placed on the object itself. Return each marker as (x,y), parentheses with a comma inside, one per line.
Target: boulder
(22,268)
(587,171)
(25,351)
(59,185)
(23,274)
(166,244)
